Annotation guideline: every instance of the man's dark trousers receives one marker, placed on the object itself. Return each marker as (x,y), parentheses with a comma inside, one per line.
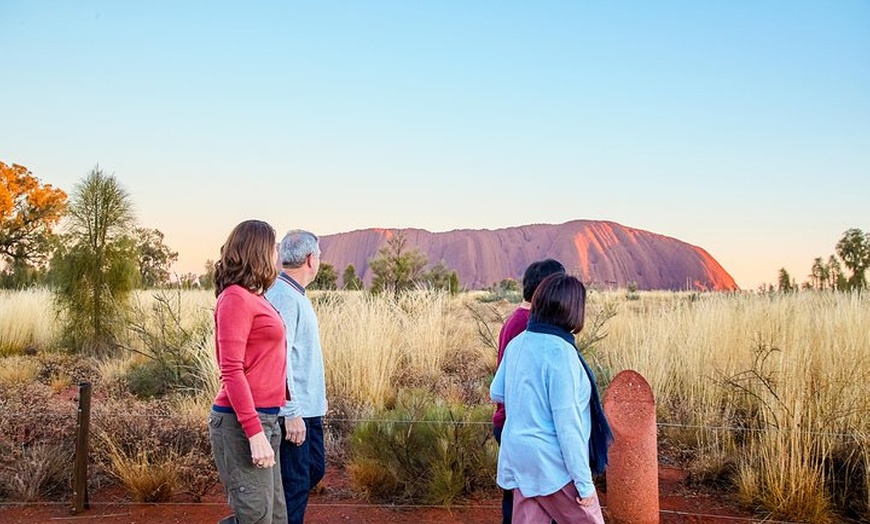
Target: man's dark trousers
(302,467)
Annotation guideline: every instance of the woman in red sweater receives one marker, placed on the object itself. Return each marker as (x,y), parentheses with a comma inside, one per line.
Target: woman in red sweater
(252,358)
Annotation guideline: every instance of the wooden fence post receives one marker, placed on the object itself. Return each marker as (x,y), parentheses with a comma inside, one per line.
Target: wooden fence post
(80,469)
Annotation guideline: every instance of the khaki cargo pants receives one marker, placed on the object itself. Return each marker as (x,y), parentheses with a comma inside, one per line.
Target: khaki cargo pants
(255,494)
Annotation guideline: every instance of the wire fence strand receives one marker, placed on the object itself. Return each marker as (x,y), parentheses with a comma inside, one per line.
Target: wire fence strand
(366,505)
(856,436)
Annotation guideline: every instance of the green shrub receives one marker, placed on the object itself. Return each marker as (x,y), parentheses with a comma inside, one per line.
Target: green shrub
(507,290)
(150,379)
(424,451)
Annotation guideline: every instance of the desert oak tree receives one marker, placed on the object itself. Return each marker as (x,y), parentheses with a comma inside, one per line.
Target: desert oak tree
(29,210)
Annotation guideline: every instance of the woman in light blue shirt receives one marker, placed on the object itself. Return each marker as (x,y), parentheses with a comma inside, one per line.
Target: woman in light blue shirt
(555,435)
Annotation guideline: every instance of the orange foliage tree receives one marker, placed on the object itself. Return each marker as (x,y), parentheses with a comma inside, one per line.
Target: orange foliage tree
(29,210)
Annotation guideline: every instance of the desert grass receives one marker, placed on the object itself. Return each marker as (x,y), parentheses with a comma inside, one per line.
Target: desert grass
(375,344)
(27,321)
(768,390)
(18,371)
(147,478)
(782,378)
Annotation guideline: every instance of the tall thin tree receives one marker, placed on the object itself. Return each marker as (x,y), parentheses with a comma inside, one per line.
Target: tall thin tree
(96,267)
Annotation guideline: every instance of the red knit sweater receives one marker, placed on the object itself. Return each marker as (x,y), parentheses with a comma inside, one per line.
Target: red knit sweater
(513,326)
(251,354)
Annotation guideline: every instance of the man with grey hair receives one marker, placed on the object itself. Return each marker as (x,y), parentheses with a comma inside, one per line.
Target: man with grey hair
(303,461)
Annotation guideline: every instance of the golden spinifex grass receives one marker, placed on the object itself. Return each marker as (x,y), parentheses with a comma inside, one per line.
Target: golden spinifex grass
(148,479)
(777,382)
(768,389)
(374,344)
(27,320)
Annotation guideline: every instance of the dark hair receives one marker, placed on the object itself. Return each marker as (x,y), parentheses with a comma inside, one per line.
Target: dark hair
(560,300)
(536,272)
(247,258)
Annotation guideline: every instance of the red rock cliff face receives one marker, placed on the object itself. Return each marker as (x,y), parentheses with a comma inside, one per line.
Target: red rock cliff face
(600,252)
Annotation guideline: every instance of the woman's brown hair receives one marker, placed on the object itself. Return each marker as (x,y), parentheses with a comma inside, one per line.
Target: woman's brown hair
(560,300)
(247,258)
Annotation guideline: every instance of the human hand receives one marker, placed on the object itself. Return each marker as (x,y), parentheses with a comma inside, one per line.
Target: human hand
(585,502)
(262,454)
(295,429)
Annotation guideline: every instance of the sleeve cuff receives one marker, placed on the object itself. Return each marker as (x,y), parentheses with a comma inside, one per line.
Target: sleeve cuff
(290,410)
(585,490)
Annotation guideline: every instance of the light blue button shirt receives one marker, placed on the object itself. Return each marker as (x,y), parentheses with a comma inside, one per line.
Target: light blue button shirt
(305,375)
(545,440)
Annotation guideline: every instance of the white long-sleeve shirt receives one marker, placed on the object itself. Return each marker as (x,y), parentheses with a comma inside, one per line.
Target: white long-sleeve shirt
(545,441)
(305,375)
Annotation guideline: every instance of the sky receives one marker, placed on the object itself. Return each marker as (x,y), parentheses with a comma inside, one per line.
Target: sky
(742,127)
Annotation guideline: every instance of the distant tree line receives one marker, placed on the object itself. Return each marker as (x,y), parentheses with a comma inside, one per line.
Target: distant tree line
(32,251)
(101,255)
(397,268)
(851,251)
(92,263)
(101,219)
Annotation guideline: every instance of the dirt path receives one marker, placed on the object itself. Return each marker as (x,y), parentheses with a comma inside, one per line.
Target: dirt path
(337,504)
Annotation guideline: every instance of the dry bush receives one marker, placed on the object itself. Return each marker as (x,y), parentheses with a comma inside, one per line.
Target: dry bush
(37,439)
(18,371)
(35,471)
(63,367)
(146,478)
(169,335)
(59,383)
(140,432)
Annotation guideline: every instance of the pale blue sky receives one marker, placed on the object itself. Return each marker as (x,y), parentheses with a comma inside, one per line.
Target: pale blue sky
(742,127)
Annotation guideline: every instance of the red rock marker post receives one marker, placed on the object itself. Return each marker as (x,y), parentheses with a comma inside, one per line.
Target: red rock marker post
(632,469)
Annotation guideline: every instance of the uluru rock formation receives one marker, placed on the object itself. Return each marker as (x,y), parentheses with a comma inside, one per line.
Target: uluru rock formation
(598,252)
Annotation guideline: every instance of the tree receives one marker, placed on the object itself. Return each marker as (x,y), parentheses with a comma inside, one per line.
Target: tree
(397,267)
(836,279)
(441,277)
(188,281)
(96,268)
(509,285)
(631,290)
(454,282)
(206,280)
(350,280)
(819,274)
(326,277)
(29,211)
(854,249)
(155,257)
(784,281)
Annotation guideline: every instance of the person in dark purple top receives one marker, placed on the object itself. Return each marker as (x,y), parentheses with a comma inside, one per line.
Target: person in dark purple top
(513,326)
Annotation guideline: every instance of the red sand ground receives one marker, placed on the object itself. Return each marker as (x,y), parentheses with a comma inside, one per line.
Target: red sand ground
(337,504)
